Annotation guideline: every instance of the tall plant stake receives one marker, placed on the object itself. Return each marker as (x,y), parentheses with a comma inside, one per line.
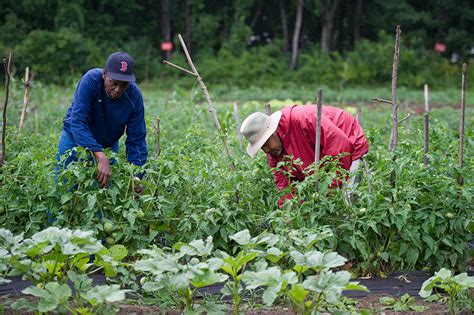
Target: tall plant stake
(6,67)
(158,131)
(358,116)
(26,86)
(317,145)
(426,127)
(211,108)
(268,109)
(396,55)
(461,128)
(237,123)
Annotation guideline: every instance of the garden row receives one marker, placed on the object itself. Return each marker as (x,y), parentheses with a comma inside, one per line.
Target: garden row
(424,221)
(270,268)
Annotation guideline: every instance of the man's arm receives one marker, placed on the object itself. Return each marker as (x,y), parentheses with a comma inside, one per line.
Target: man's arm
(137,149)
(279,177)
(80,114)
(80,119)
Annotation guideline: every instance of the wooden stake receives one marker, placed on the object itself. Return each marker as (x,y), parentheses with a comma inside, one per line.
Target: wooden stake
(381,100)
(317,146)
(26,86)
(158,143)
(405,118)
(396,55)
(461,128)
(211,108)
(358,115)
(6,67)
(426,127)
(237,123)
(268,109)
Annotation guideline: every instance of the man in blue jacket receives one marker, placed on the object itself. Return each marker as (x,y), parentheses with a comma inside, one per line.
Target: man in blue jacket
(107,103)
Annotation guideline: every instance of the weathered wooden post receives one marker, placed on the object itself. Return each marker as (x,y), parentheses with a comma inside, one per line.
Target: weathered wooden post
(426,121)
(396,55)
(158,143)
(6,67)
(26,85)
(461,127)
(317,145)
(268,109)
(210,106)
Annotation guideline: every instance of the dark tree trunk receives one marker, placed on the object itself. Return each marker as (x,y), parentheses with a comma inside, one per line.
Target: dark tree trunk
(296,34)
(165,25)
(328,24)
(284,25)
(357,18)
(187,24)
(255,17)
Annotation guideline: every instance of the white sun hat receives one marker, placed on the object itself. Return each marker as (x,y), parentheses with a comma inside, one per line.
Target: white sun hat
(257,128)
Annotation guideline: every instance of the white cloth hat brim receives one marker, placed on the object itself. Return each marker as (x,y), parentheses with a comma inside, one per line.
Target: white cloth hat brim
(253,148)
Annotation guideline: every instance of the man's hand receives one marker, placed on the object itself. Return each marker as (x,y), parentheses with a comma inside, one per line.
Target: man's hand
(103,169)
(138,187)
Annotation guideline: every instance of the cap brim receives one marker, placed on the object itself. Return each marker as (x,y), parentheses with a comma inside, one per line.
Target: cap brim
(253,148)
(121,77)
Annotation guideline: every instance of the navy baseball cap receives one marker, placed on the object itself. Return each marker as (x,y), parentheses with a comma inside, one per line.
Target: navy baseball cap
(119,67)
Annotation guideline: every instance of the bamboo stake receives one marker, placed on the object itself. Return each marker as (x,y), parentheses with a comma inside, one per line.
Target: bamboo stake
(211,108)
(396,55)
(317,146)
(6,67)
(158,143)
(26,86)
(426,128)
(268,109)
(237,124)
(461,127)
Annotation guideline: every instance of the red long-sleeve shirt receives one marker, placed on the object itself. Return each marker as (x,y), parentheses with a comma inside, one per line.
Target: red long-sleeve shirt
(340,133)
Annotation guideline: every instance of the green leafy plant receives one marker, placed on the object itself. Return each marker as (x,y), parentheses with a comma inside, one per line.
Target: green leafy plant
(404,304)
(251,248)
(183,270)
(456,287)
(50,258)
(315,293)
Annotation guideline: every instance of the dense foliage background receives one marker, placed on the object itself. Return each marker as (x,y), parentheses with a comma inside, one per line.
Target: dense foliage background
(244,43)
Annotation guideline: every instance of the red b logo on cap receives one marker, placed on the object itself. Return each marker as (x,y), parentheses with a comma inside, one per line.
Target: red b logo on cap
(124,66)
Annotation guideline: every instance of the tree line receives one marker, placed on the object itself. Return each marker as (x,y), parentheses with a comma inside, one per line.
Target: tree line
(59,38)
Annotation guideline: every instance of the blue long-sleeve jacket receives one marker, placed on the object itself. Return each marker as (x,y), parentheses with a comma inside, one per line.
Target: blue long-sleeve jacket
(97,122)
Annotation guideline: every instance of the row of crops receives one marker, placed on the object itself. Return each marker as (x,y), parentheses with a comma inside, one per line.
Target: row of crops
(423,220)
(190,188)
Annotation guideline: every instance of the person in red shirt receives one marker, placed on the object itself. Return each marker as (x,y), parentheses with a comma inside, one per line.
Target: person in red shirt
(292,132)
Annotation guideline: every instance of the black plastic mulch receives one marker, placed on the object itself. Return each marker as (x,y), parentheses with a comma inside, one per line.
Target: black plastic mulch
(396,284)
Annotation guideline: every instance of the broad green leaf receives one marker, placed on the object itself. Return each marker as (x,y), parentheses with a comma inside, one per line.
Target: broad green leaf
(91,201)
(329,283)
(81,282)
(356,287)
(118,252)
(24,305)
(242,237)
(105,294)
(298,292)
(152,286)
(208,278)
